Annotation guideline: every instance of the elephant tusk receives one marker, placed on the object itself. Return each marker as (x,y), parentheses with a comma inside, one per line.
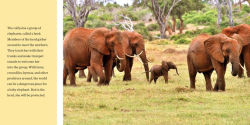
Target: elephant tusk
(129,55)
(242,67)
(140,53)
(139,59)
(118,56)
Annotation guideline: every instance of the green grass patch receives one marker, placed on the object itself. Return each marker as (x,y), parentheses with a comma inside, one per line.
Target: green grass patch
(138,102)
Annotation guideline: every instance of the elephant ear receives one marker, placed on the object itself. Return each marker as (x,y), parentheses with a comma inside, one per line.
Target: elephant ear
(165,66)
(171,65)
(239,39)
(97,40)
(213,46)
(229,31)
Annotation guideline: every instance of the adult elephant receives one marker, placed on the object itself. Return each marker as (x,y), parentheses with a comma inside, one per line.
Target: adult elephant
(85,47)
(244,31)
(207,53)
(133,46)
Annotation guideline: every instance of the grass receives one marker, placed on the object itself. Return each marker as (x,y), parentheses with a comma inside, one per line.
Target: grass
(138,102)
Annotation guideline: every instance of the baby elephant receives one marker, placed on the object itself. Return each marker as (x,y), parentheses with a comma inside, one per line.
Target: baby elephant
(162,70)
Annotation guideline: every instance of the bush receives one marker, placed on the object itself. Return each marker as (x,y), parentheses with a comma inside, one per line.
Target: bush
(130,14)
(246,8)
(95,24)
(92,16)
(142,29)
(247,20)
(109,26)
(106,17)
(202,18)
(182,41)
(211,30)
(153,27)
(68,24)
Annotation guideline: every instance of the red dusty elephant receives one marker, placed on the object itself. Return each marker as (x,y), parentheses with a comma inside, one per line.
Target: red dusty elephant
(85,47)
(207,53)
(244,31)
(133,46)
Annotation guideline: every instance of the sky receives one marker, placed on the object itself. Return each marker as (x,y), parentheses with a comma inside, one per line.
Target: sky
(122,2)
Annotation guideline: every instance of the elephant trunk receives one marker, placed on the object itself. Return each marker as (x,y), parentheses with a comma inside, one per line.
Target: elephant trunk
(235,66)
(121,56)
(176,70)
(145,62)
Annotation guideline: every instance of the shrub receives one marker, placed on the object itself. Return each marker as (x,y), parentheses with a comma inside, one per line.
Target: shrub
(106,17)
(246,8)
(204,18)
(210,30)
(142,29)
(182,41)
(130,14)
(92,16)
(95,24)
(68,24)
(153,27)
(109,26)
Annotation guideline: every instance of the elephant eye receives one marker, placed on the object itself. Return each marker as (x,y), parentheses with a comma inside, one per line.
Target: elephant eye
(228,50)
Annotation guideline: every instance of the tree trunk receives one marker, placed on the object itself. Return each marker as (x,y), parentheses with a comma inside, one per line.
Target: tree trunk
(230,14)
(163,31)
(240,4)
(181,25)
(218,6)
(169,29)
(174,23)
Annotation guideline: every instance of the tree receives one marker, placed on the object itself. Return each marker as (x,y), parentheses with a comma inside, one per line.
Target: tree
(161,10)
(183,7)
(230,14)
(218,6)
(79,10)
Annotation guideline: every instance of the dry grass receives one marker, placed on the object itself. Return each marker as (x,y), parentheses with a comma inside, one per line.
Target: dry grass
(137,102)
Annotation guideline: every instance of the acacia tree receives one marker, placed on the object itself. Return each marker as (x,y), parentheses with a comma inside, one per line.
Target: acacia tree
(230,14)
(79,10)
(183,7)
(218,6)
(161,10)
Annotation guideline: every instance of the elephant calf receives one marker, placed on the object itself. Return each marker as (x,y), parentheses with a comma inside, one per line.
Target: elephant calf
(162,70)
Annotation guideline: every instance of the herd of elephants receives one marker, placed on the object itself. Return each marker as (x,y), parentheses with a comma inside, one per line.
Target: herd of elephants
(100,50)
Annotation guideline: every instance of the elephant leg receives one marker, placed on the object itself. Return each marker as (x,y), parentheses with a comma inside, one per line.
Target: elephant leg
(220,70)
(207,76)
(99,71)
(151,77)
(65,74)
(247,59)
(155,79)
(82,74)
(166,77)
(241,71)
(192,73)
(108,69)
(127,73)
(91,73)
(96,62)
(72,76)
(89,77)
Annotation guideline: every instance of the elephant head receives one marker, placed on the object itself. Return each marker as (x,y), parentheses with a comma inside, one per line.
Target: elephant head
(171,65)
(220,48)
(166,66)
(108,42)
(136,48)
